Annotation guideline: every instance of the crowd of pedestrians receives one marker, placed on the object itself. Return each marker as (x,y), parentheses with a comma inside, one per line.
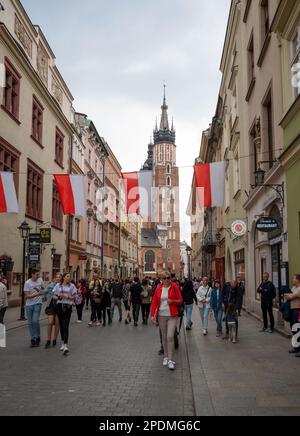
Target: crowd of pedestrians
(165,299)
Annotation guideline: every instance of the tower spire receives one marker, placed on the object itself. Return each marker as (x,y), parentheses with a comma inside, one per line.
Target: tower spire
(164,122)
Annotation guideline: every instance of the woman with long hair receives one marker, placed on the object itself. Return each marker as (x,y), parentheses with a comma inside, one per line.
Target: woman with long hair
(51,311)
(96,298)
(64,293)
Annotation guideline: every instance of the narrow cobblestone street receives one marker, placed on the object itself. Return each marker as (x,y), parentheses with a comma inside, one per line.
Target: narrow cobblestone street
(116,371)
(110,371)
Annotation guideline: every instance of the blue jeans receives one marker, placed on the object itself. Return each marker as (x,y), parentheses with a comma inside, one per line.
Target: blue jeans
(189,311)
(204,312)
(33,315)
(219,318)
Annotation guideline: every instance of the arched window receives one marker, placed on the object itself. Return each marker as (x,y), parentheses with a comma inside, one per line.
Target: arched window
(149,261)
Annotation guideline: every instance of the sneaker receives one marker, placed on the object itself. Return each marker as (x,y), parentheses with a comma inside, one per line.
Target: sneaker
(32,343)
(234,341)
(205,332)
(48,345)
(171,365)
(66,350)
(98,324)
(269,331)
(62,348)
(263,330)
(165,361)
(54,343)
(293,351)
(38,342)
(90,324)
(79,322)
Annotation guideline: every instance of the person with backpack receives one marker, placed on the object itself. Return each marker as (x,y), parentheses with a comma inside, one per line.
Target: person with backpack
(135,298)
(267,291)
(146,300)
(203,298)
(189,297)
(294,299)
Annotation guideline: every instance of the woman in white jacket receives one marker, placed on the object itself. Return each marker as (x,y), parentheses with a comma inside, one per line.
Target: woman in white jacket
(203,298)
(3,300)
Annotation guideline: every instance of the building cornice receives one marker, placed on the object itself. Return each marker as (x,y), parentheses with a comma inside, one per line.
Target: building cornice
(22,58)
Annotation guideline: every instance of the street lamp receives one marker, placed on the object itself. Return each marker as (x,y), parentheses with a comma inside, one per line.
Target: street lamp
(24,230)
(259,175)
(53,252)
(189,255)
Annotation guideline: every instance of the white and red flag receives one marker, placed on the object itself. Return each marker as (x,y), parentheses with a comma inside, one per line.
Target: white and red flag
(8,195)
(71,193)
(210,184)
(138,187)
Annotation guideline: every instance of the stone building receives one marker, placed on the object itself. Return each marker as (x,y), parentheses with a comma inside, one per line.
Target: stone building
(35,138)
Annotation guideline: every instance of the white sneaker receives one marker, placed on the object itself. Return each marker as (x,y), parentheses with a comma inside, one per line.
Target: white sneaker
(90,324)
(98,324)
(171,365)
(79,322)
(165,361)
(205,332)
(66,350)
(62,348)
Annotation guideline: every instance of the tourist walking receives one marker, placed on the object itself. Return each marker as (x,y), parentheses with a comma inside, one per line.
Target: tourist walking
(203,298)
(80,299)
(104,305)
(231,320)
(51,312)
(117,291)
(135,298)
(216,300)
(240,295)
(3,299)
(96,295)
(189,297)
(229,296)
(65,294)
(146,300)
(164,309)
(125,297)
(107,287)
(90,288)
(33,290)
(294,299)
(267,291)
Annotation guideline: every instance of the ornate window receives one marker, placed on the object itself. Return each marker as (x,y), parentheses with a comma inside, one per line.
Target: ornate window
(11,94)
(37,121)
(59,147)
(34,201)
(149,261)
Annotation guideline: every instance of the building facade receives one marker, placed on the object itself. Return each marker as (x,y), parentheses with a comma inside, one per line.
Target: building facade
(35,140)
(286,25)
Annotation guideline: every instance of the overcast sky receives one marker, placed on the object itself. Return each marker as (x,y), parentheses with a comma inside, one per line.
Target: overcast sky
(115,56)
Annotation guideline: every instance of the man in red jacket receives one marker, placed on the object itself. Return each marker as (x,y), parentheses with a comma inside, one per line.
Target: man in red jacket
(164,309)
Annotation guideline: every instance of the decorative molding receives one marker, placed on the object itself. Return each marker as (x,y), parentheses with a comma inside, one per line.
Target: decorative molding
(23,36)
(57,91)
(42,64)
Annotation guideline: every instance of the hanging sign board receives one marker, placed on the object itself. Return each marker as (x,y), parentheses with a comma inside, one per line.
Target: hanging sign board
(267,224)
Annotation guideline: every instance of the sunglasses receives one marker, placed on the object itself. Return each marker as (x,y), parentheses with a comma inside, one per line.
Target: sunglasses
(166,278)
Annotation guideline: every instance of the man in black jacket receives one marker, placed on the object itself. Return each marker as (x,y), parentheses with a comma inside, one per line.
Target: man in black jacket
(116,294)
(267,291)
(189,297)
(136,300)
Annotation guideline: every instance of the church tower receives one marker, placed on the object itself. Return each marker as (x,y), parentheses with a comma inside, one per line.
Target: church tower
(165,225)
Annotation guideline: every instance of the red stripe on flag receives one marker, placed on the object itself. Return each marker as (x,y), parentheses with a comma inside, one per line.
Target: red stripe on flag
(202,175)
(3,205)
(65,193)
(131,184)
